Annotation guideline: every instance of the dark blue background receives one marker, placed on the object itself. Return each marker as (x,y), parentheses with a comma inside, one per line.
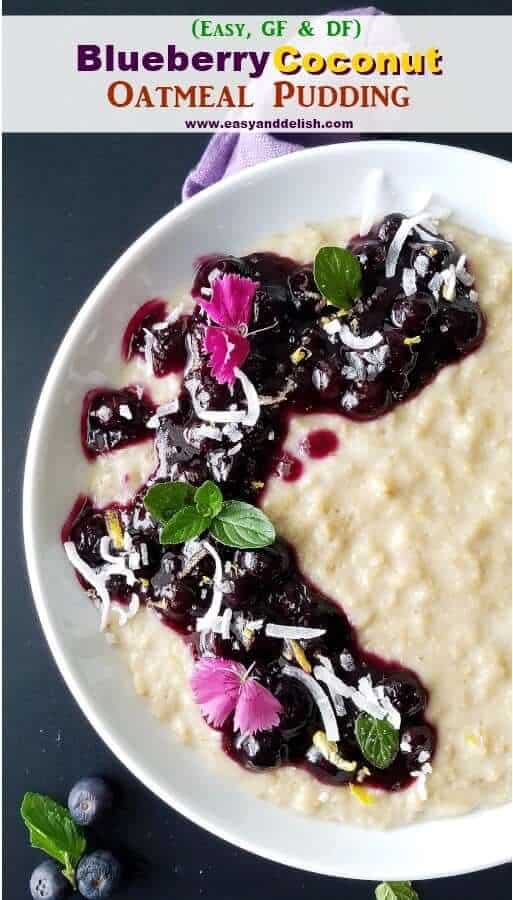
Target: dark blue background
(72,204)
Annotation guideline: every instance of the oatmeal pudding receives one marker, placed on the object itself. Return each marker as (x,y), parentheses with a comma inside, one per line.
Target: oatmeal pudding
(296,529)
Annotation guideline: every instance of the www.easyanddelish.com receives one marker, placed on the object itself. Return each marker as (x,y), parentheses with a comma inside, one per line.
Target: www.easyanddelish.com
(268,124)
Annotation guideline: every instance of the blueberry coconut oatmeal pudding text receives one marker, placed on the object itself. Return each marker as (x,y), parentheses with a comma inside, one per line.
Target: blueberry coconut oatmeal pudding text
(301,547)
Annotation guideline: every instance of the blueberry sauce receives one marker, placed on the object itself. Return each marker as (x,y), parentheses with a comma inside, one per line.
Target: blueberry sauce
(149,333)
(287,467)
(299,362)
(319,443)
(112,419)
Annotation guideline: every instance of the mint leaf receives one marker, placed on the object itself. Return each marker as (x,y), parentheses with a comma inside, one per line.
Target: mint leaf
(338,275)
(164,499)
(395,890)
(187,523)
(242,525)
(378,740)
(208,499)
(52,830)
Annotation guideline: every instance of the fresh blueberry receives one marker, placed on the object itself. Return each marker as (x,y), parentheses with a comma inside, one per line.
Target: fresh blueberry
(88,799)
(98,875)
(47,882)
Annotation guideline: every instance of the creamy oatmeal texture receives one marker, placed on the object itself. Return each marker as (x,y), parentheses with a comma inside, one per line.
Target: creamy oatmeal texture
(416,551)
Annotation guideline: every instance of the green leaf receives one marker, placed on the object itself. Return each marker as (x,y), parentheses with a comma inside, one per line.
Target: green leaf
(208,499)
(187,523)
(164,499)
(395,890)
(378,740)
(52,830)
(242,525)
(338,275)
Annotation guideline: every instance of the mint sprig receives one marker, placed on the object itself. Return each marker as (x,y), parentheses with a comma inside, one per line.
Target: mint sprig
(378,740)
(338,276)
(52,830)
(186,513)
(242,525)
(166,498)
(395,890)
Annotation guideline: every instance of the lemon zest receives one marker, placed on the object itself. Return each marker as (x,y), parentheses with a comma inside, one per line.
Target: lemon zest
(300,656)
(300,355)
(474,740)
(114,528)
(361,794)
(329,749)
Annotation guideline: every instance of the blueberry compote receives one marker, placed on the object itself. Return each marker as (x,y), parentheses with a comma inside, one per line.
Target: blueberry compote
(151,334)
(112,419)
(304,357)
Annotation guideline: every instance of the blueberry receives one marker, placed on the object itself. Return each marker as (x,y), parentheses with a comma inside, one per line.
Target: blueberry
(418,744)
(326,379)
(406,693)
(371,255)
(298,707)
(386,230)
(304,292)
(98,875)
(47,882)
(411,314)
(267,565)
(264,750)
(89,799)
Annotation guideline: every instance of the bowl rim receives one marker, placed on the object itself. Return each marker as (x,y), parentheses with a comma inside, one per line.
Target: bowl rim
(137,247)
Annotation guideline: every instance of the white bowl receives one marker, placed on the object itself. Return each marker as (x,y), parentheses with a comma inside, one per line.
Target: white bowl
(305,187)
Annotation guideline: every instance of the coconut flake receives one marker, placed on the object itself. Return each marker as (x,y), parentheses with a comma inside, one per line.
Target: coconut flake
(359,343)
(144,554)
(435,284)
(149,341)
(346,661)
(247,417)
(253,402)
(401,236)
(95,579)
(104,413)
(364,697)
(461,273)
(291,632)
(204,623)
(449,278)
(332,327)
(327,715)
(125,411)
(349,400)
(323,673)
(421,265)
(225,623)
(167,409)
(409,282)
(371,195)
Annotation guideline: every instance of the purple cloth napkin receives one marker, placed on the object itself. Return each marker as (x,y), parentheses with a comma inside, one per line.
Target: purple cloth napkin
(229,153)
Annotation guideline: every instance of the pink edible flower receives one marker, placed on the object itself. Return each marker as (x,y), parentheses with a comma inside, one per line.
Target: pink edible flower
(228,350)
(231,302)
(230,307)
(222,686)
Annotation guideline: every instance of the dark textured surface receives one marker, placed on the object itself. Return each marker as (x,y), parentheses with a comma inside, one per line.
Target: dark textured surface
(73,203)
(233,7)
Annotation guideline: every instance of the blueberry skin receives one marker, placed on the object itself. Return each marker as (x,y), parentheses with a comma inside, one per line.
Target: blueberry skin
(47,882)
(88,799)
(98,875)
